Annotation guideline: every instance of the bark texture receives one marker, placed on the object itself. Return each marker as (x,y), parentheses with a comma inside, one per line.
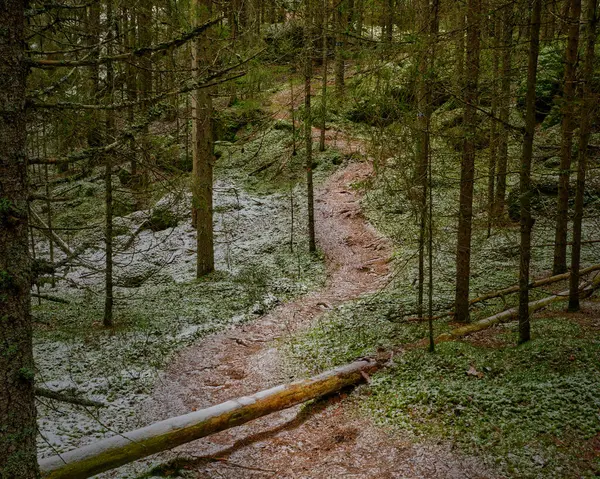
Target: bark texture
(465,211)
(589,99)
(17,408)
(567,125)
(525,175)
(202,150)
(122,449)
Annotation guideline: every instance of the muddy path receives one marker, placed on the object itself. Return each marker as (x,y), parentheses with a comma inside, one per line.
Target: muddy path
(326,440)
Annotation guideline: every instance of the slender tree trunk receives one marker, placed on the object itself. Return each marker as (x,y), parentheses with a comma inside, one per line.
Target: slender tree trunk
(110,133)
(525,174)
(504,112)
(465,212)
(340,67)
(18,429)
(459,56)
(388,20)
(203,157)
(562,219)
(589,101)
(308,127)
(144,24)
(494,129)
(324,84)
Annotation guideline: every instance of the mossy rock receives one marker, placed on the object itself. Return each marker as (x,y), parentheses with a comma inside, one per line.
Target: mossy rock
(160,220)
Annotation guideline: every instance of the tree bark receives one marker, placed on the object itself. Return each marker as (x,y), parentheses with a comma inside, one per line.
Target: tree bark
(110,132)
(324,81)
(465,212)
(339,66)
(202,150)
(567,125)
(525,175)
(18,427)
(124,448)
(589,100)
(504,111)
(308,127)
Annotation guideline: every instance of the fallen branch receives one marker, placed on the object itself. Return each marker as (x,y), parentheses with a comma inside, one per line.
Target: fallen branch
(118,450)
(513,313)
(51,234)
(68,398)
(513,289)
(48,297)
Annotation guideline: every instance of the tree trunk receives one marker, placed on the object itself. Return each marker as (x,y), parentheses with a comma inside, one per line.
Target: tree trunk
(525,175)
(340,26)
(562,219)
(494,130)
(144,24)
(324,82)
(588,101)
(504,112)
(202,147)
(308,127)
(465,212)
(110,133)
(124,448)
(18,428)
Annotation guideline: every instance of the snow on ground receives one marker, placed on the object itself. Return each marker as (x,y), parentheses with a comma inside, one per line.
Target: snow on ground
(162,310)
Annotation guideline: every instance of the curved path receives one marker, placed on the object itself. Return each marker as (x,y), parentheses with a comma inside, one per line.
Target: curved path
(323,441)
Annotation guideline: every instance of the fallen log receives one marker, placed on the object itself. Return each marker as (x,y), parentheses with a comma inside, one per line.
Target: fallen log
(49,297)
(68,398)
(51,234)
(513,313)
(125,448)
(118,450)
(513,289)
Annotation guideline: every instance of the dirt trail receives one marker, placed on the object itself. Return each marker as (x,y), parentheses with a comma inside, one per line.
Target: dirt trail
(328,441)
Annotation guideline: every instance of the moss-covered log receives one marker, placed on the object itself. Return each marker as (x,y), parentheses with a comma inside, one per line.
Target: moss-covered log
(513,313)
(128,447)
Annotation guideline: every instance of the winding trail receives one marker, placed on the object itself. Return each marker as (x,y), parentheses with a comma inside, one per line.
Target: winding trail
(323,441)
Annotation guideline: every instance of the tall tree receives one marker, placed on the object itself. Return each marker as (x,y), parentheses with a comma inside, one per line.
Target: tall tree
(525,173)
(567,125)
(110,131)
(589,100)
(467,175)
(308,51)
(18,428)
(325,13)
(340,23)
(202,148)
(504,110)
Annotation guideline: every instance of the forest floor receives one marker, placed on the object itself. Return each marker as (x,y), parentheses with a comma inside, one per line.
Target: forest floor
(326,438)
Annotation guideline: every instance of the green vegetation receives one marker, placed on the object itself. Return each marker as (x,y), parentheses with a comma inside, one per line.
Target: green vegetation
(532,410)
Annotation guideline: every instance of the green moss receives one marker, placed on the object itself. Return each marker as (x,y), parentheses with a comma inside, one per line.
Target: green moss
(528,412)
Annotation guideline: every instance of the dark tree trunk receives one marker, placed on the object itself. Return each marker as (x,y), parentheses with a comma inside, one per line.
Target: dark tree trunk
(525,175)
(562,219)
(504,112)
(110,133)
(324,82)
(340,26)
(203,157)
(589,100)
(494,130)
(18,429)
(465,212)
(308,127)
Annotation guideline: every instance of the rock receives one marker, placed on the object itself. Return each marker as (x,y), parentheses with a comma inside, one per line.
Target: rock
(552,162)
(135,275)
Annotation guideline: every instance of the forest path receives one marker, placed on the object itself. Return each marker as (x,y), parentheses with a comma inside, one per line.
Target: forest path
(326,440)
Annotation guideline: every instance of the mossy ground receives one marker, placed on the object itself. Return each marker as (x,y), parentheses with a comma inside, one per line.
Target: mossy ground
(533,410)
